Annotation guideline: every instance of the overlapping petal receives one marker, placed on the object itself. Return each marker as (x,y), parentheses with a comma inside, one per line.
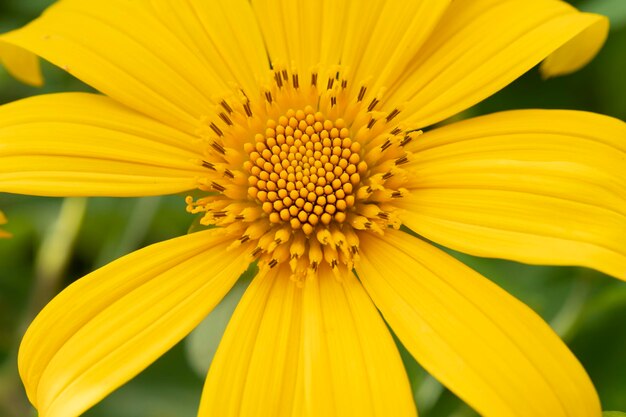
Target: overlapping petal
(317,350)
(536,186)
(256,366)
(373,42)
(352,366)
(480,46)
(169,61)
(77,144)
(483,344)
(108,326)
(21,64)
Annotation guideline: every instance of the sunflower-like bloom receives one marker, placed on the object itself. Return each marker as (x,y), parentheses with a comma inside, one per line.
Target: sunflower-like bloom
(302,130)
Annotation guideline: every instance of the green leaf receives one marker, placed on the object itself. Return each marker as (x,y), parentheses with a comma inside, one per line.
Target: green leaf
(613,9)
(613,414)
(598,341)
(202,343)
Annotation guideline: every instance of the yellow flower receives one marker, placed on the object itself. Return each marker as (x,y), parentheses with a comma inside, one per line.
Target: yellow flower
(298,125)
(3,220)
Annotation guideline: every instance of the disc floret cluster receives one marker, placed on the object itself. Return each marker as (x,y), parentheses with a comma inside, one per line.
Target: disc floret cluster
(301,172)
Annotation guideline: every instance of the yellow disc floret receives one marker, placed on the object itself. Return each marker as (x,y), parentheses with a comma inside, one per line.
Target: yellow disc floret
(304,169)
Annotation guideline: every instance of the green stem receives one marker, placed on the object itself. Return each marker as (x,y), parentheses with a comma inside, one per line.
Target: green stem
(50,263)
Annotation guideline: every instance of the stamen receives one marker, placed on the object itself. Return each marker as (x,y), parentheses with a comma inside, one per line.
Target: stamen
(226,106)
(393,114)
(373,104)
(226,119)
(361,93)
(216,129)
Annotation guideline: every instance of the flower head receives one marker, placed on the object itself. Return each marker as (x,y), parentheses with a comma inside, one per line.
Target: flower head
(303,129)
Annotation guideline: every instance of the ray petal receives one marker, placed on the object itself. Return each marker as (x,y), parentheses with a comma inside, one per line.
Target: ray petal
(480,46)
(79,144)
(535,186)
(321,349)
(108,326)
(172,63)
(490,349)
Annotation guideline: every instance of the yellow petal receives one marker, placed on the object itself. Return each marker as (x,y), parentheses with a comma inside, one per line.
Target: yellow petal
(382,41)
(3,220)
(487,347)
(576,53)
(480,46)
(541,187)
(351,364)
(108,326)
(166,61)
(256,364)
(21,64)
(374,42)
(317,350)
(77,144)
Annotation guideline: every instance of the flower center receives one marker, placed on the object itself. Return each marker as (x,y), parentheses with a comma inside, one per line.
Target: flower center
(304,169)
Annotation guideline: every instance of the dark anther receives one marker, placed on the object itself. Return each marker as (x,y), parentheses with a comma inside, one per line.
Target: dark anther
(402,160)
(208,165)
(371,123)
(362,93)
(226,119)
(218,147)
(247,109)
(295,81)
(393,114)
(226,106)
(278,79)
(372,104)
(216,129)
(314,79)
(228,173)
(218,187)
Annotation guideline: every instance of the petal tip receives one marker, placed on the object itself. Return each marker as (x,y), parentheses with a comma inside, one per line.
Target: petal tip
(579,50)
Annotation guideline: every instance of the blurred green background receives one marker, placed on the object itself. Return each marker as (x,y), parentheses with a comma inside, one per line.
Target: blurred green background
(57,241)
